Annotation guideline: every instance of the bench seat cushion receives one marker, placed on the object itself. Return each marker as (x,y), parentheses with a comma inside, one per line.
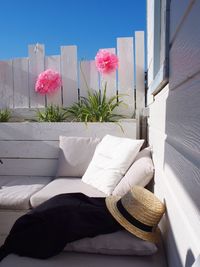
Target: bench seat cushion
(61,186)
(15,193)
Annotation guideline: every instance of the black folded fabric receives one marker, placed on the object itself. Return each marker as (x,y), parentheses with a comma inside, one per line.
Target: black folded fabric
(44,231)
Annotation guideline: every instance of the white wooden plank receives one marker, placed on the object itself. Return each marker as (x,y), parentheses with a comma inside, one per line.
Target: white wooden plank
(6,84)
(20,76)
(184,53)
(176,15)
(150,40)
(88,74)
(139,64)
(36,66)
(126,74)
(53,63)
(139,71)
(33,167)
(29,149)
(69,74)
(110,79)
(52,131)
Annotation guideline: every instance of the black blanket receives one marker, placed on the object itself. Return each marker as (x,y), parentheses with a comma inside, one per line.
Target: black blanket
(45,230)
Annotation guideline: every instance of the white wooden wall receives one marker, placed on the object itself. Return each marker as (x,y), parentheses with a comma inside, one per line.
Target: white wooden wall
(174,133)
(18,76)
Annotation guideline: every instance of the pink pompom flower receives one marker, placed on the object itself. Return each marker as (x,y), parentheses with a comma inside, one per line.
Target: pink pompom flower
(106,62)
(48,81)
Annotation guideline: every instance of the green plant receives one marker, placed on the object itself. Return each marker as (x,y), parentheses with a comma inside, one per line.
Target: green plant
(5,115)
(95,108)
(52,113)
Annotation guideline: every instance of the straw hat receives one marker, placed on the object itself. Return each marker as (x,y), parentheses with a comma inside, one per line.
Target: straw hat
(138,211)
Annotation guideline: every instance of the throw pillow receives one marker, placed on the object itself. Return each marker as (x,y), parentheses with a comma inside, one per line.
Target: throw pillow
(118,243)
(140,173)
(111,159)
(75,154)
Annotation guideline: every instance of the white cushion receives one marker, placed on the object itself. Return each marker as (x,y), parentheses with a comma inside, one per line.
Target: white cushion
(140,173)
(112,157)
(62,186)
(15,194)
(75,154)
(109,244)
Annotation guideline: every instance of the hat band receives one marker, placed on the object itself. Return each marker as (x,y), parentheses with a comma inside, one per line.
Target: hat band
(133,220)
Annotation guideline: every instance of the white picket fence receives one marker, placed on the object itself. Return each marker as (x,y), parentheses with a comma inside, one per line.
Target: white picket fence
(18,76)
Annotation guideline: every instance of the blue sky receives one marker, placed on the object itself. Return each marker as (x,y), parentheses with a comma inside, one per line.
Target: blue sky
(89,24)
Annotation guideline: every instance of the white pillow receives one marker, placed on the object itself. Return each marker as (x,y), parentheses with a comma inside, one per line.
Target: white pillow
(140,173)
(112,158)
(75,154)
(117,243)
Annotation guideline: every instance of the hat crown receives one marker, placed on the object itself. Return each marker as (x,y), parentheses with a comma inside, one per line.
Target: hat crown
(143,206)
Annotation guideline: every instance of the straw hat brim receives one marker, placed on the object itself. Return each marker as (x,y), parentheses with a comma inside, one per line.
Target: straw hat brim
(111,203)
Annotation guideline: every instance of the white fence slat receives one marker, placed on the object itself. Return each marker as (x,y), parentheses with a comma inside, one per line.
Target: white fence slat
(29,149)
(53,62)
(140,87)
(139,62)
(88,73)
(6,84)
(69,74)
(33,167)
(20,77)
(126,73)
(110,79)
(36,66)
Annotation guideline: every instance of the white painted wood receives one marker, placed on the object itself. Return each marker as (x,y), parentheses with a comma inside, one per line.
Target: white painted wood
(88,77)
(36,66)
(69,74)
(53,63)
(32,167)
(110,79)
(177,14)
(139,63)
(139,71)
(52,131)
(29,149)
(126,74)
(150,40)
(174,136)
(20,82)
(184,59)
(6,84)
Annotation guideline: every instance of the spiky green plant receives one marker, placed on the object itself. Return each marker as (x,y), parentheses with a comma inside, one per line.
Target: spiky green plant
(52,113)
(5,115)
(95,108)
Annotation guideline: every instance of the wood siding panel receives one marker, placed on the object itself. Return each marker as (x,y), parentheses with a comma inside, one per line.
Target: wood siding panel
(176,15)
(184,54)
(174,137)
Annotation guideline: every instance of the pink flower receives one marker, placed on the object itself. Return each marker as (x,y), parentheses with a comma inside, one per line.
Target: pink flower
(106,62)
(48,81)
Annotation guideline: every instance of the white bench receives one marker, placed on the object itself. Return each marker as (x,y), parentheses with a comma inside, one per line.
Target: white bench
(29,153)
